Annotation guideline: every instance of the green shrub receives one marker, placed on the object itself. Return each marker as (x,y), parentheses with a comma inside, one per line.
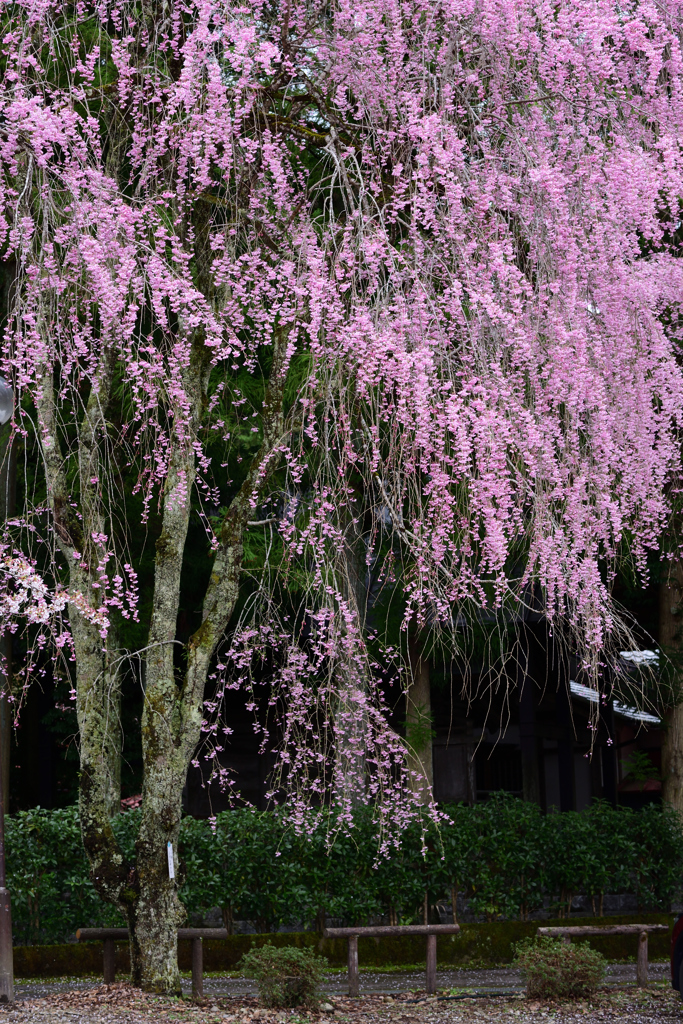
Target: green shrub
(656,836)
(48,876)
(285,976)
(504,856)
(557,970)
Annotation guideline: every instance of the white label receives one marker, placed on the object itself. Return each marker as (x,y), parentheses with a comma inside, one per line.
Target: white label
(171,865)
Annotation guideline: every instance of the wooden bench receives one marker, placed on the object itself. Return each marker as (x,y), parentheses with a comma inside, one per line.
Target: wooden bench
(109,936)
(641,930)
(430,930)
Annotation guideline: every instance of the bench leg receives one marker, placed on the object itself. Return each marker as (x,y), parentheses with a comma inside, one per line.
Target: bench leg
(197,969)
(641,969)
(353,965)
(431,964)
(109,962)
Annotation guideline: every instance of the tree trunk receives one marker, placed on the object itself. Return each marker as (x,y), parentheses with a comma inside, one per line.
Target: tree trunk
(158,911)
(419,726)
(351,719)
(97,677)
(173,707)
(173,699)
(671,643)
(8,483)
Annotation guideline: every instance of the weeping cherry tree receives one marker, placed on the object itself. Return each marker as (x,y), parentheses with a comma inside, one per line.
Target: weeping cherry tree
(444,236)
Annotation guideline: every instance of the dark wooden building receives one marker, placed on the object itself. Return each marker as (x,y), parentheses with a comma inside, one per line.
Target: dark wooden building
(531,735)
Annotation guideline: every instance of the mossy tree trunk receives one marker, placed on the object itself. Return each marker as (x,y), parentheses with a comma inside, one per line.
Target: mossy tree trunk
(173,704)
(97,676)
(173,700)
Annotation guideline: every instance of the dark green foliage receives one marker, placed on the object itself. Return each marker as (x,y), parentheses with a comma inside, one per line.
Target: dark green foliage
(558,970)
(504,856)
(287,976)
(638,767)
(49,881)
(656,857)
(506,866)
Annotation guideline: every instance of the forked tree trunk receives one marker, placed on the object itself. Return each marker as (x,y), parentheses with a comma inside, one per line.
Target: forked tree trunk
(671,643)
(173,707)
(158,911)
(173,699)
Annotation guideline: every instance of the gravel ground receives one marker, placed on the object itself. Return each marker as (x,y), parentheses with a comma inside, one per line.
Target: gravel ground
(371,982)
(121,1004)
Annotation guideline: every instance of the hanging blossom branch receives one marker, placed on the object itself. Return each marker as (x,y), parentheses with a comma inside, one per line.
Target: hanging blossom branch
(452,229)
(26,595)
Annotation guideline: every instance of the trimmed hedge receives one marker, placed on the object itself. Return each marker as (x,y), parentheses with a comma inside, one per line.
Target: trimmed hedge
(505,856)
(489,944)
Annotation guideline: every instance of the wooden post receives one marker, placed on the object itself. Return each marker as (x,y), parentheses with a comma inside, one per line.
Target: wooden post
(431,964)
(641,969)
(641,930)
(109,962)
(567,940)
(454,901)
(430,931)
(353,966)
(612,929)
(197,969)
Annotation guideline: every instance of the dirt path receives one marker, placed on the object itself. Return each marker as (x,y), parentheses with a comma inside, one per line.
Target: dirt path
(485,980)
(120,1004)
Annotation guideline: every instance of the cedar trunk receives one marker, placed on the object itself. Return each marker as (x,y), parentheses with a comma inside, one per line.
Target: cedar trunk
(419,725)
(671,643)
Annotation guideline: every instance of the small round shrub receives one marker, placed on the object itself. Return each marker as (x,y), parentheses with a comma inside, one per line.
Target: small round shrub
(286,976)
(559,970)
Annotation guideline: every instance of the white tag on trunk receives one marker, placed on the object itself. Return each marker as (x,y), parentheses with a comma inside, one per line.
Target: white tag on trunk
(171,865)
